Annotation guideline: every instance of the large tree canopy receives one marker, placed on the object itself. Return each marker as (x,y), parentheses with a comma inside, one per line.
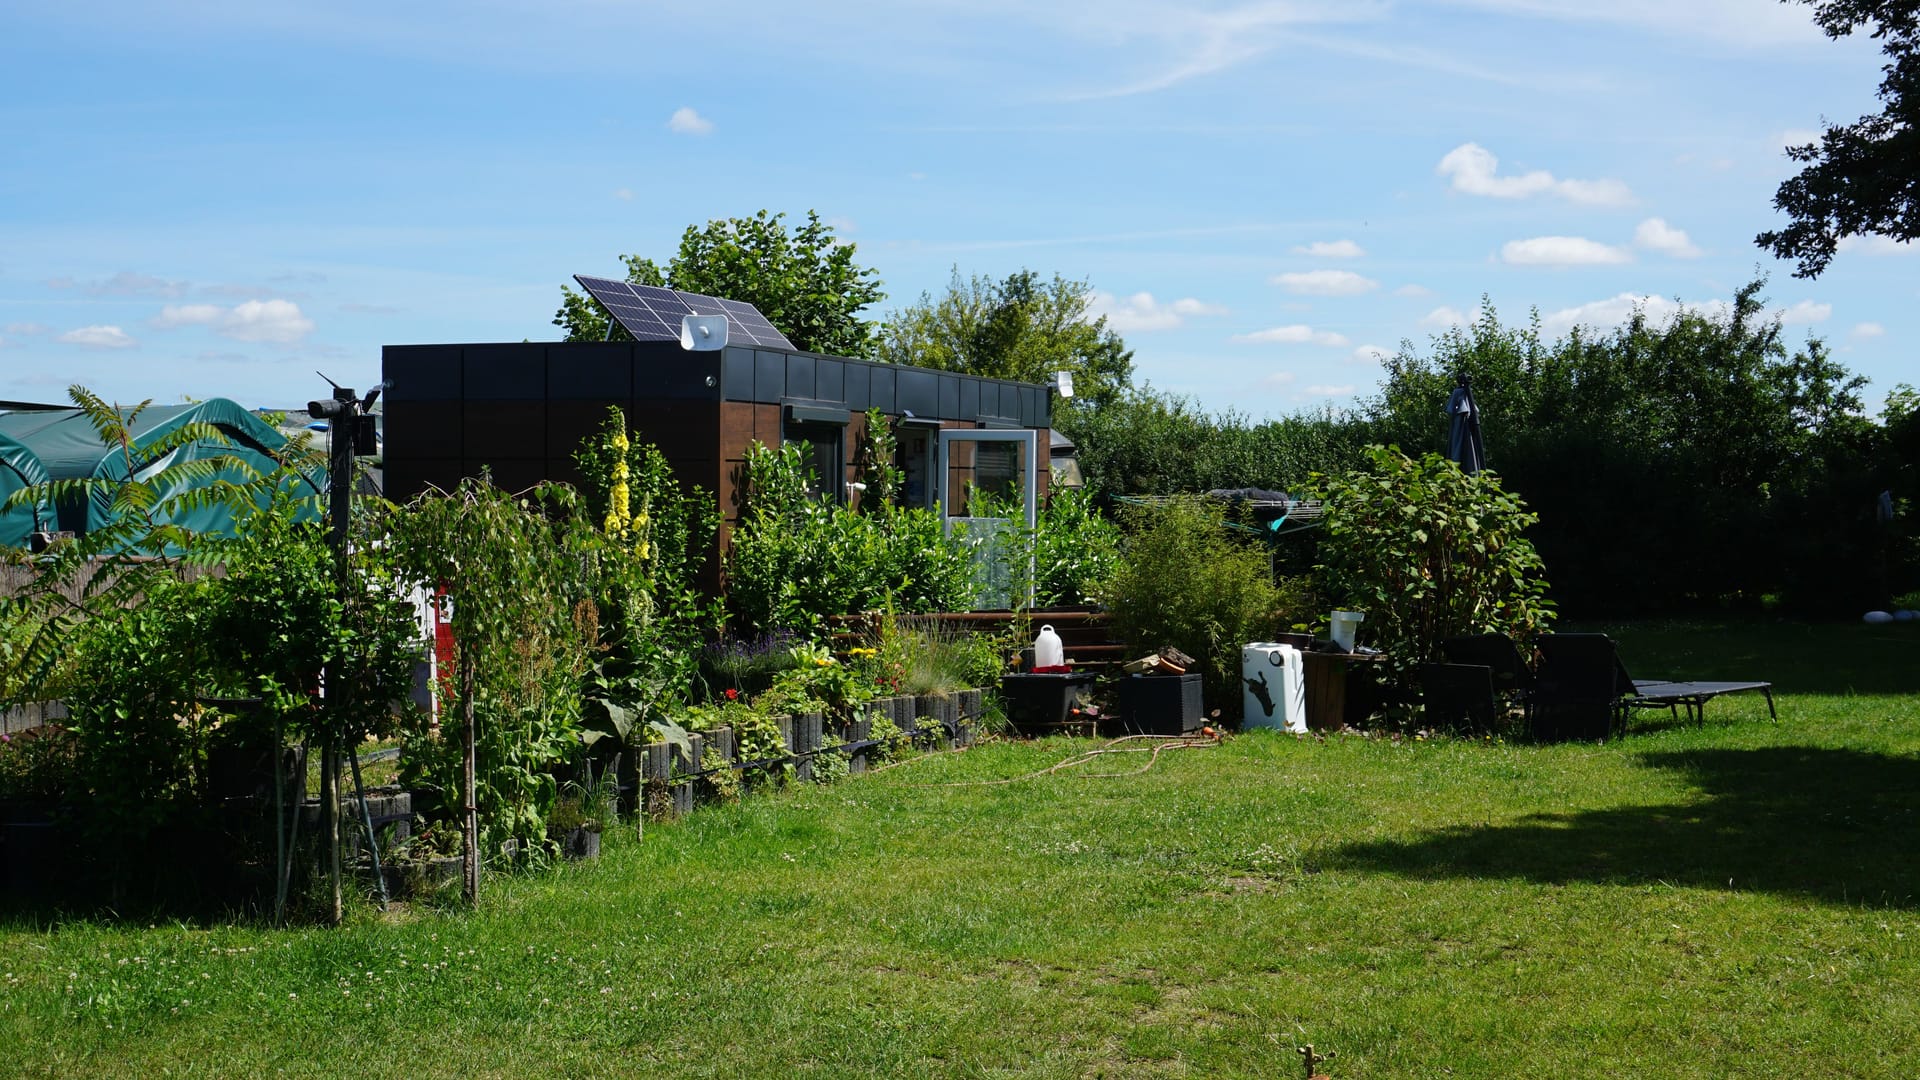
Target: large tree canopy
(1862,177)
(1021,328)
(1686,461)
(805,282)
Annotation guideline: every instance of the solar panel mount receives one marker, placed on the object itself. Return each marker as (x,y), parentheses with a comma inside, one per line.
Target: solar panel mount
(651,313)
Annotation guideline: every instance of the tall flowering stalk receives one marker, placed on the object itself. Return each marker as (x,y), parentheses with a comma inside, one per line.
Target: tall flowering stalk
(653,537)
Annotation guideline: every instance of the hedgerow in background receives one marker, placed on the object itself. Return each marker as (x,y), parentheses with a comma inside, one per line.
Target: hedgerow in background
(1430,552)
(1187,580)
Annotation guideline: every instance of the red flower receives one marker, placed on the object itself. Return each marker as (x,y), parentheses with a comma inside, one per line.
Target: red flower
(732,694)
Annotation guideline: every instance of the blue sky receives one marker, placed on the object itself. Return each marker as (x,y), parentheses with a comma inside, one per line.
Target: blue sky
(217,198)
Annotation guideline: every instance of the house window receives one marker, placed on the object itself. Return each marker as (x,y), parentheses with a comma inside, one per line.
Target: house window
(996,468)
(915,461)
(824,448)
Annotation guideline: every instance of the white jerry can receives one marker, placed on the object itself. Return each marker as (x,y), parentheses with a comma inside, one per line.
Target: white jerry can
(1273,686)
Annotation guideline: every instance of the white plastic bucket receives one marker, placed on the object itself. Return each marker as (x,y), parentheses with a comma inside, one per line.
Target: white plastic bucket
(1346,626)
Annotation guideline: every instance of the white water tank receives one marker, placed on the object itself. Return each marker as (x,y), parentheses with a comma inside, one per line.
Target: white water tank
(1048,650)
(1273,686)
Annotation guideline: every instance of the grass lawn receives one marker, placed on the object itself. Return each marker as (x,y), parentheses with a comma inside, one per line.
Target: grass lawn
(1733,900)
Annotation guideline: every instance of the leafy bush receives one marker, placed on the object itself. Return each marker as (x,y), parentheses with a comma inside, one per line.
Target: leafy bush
(519,574)
(1188,581)
(1429,552)
(796,559)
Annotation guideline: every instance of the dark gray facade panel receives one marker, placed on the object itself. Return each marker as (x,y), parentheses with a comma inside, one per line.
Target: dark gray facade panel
(830,380)
(588,371)
(969,399)
(857,376)
(950,397)
(919,392)
(421,372)
(1032,406)
(989,399)
(800,376)
(515,372)
(736,379)
(769,376)
(880,389)
(677,375)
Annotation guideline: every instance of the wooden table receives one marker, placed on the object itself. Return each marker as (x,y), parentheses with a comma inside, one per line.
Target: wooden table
(1327,675)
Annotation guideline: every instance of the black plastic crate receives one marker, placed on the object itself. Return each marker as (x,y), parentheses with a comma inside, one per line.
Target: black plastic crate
(1159,705)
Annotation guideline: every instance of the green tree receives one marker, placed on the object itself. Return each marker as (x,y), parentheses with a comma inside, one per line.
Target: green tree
(1862,177)
(805,282)
(1673,463)
(1020,328)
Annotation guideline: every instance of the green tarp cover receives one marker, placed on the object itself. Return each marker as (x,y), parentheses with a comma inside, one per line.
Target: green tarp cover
(68,448)
(19,468)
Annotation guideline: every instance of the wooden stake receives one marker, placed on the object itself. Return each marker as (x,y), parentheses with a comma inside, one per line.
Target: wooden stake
(470,817)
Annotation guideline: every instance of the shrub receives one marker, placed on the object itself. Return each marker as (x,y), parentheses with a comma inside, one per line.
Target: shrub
(1186,580)
(1429,552)
(796,559)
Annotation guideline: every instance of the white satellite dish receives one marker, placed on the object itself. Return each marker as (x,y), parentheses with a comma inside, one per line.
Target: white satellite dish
(703,333)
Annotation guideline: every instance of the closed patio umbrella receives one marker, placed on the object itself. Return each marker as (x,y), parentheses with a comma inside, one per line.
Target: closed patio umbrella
(1463,439)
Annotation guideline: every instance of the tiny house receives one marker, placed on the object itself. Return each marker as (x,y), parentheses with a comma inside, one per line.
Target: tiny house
(521,410)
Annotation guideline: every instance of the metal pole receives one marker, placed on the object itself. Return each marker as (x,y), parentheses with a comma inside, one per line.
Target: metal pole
(366,819)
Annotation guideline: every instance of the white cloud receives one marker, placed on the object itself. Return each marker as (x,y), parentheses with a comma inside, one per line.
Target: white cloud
(1326,390)
(125,283)
(97,337)
(1413,290)
(1806,311)
(686,121)
(27,328)
(1444,316)
(1296,334)
(266,320)
(188,315)
(1331,249)
(1876,245)
(1867,330)
(1616,310)
(1277,379)
(1795,137)
(279,321)
(623,194)
(1473,170)
(1369,354)
(1326,283)
(1655,234)
(1562,251)
(1141,312)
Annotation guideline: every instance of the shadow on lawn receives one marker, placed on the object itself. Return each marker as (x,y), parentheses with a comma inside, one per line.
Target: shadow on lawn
(1838,826)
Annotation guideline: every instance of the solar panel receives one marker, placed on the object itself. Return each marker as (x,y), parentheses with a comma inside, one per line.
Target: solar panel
(651,313)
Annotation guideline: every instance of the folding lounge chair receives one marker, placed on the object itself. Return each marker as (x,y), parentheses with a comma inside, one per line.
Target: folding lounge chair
(1512,675)
(1458,696)
(1577,693)
(1583,666)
